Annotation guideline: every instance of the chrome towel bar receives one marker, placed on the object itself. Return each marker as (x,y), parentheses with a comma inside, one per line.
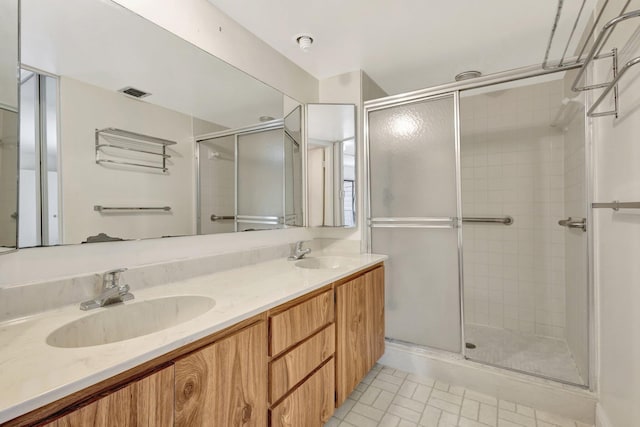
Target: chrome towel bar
(215,217)
(616,205)
(435,222)
(99,208)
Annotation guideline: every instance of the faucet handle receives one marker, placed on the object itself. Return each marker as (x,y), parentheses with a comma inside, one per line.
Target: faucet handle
(112,277)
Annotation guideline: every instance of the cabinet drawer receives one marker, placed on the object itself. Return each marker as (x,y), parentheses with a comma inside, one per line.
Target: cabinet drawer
(295,324)
(290,368)
(311,404)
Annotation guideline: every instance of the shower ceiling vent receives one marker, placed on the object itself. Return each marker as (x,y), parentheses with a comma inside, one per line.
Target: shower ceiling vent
(132,91)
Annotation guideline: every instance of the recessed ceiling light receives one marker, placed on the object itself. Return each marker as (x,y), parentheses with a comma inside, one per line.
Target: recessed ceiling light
(304,41)
(465,75)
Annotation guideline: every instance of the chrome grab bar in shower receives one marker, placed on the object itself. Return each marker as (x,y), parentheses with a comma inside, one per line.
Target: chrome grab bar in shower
(435,222)
(570,222)
(506,220)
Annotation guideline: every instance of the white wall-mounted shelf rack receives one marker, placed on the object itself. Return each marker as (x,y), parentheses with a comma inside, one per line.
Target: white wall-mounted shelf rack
(138,143)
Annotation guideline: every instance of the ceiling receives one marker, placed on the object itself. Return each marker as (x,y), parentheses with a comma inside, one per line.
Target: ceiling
(408,44)
(103,44)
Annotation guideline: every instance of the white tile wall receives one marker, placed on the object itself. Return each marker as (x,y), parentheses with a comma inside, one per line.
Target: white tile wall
(513,164)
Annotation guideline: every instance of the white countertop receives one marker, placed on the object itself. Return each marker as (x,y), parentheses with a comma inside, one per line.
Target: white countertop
(33,373)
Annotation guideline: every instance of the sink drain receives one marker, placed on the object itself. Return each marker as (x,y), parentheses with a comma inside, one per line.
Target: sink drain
(470,345)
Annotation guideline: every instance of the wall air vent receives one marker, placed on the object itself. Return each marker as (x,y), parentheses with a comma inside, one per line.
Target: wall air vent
(132,91)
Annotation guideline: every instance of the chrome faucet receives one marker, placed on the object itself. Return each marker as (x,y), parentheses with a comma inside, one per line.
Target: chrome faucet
(112,291)
(298,252)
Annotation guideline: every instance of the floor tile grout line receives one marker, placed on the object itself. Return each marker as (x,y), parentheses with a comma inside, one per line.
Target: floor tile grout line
(404,377)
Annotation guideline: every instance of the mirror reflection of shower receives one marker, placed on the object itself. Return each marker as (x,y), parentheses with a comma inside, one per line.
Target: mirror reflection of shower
(40,210)
(248,178)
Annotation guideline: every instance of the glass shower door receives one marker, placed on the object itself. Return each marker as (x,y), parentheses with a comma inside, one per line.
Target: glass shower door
(413,219)
(260,180)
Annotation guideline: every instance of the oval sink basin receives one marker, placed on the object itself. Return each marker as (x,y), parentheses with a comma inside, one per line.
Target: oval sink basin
(324,262)
(126,321)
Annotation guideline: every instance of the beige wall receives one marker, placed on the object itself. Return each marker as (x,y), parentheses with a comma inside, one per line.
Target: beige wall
(8,53)
(370,89)
(200,23)
(617,240)
(8,177)
(84,108)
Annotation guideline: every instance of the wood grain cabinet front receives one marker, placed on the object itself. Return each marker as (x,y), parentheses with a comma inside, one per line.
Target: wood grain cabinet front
(225,383)
(147,402)
(290,326)
(291,368)
(309,405)
(360,329)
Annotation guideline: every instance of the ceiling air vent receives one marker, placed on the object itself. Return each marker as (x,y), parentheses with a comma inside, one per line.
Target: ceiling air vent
(132,91)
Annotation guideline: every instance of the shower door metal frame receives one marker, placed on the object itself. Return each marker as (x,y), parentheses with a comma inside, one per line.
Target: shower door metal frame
(429,222)
(455,88)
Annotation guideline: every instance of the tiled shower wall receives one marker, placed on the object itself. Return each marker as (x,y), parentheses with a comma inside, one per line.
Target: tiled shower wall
(513,164)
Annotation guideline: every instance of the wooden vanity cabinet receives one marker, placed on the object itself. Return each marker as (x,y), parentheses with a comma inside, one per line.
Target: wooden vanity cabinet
(225,383)
(360,329)
(301,369)
(145,402)
(288,367)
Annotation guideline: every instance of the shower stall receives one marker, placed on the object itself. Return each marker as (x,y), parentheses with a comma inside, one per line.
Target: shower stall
(478,192)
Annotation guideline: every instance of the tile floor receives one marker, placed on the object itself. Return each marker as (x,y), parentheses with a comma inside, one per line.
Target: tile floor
(516,350)
(392,398)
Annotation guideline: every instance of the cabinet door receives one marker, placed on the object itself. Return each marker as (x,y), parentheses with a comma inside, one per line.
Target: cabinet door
(360,330)
(309,405)
(225,384)
(146,402)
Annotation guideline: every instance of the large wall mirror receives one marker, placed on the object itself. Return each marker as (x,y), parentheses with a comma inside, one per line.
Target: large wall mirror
(8,124)
(113,112)
(331,165)
(250,178)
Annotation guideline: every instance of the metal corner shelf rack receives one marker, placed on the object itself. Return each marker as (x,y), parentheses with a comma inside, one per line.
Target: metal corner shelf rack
(595,53)
(146,143)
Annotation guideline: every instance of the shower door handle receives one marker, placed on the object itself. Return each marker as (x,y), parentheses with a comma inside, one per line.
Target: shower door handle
(570,222)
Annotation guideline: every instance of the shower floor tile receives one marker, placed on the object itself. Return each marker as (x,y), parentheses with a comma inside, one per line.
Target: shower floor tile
(420,401)
(544,356)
